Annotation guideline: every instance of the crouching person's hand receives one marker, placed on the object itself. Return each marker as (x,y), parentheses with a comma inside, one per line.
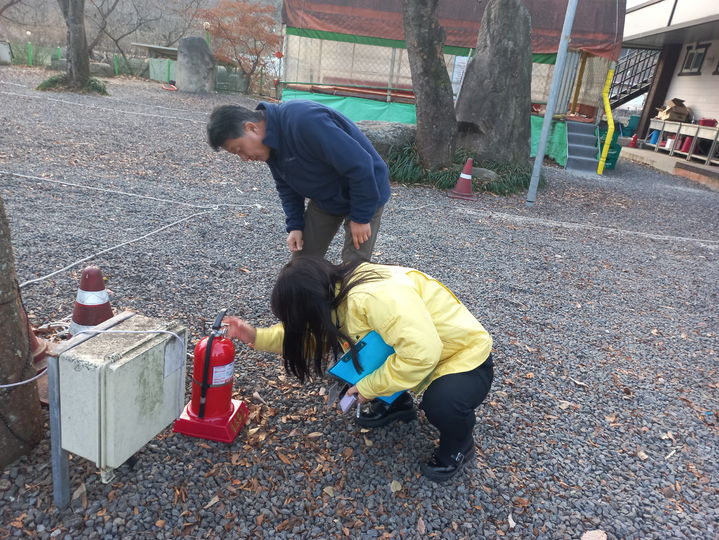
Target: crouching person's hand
(239,329)
(353,391)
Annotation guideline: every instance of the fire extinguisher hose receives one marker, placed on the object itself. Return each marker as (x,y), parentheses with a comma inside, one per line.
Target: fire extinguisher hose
(216,326)
(205,375)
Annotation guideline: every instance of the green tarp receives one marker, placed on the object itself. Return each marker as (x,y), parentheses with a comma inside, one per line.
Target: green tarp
(557,142)
(357,109)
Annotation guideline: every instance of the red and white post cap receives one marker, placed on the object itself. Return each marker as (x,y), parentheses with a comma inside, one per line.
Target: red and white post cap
(92,304)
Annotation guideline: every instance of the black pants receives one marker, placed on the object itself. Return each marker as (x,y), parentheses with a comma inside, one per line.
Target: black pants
(449,403)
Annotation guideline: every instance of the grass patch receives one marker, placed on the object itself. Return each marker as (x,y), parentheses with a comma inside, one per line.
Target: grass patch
(61,82)
(404,168)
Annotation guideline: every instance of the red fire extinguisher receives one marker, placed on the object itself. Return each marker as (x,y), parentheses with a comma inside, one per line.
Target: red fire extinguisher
(212,413)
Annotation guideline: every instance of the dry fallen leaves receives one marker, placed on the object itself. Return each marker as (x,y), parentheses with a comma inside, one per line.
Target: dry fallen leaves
(395,486)
(160,523)
(596,534)
(421,528)
(284,459)
(258,397)
(329,490)
(214,500)
(368,442)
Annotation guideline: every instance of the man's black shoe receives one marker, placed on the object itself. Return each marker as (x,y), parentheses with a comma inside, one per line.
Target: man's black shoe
(380,414)
(438,471)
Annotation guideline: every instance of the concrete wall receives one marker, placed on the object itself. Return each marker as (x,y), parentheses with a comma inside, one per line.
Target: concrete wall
(701,92)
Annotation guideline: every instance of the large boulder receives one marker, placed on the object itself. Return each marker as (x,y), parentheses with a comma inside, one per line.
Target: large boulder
(385,136)
(58,64)
(494,104)
(195,68)
(5,53)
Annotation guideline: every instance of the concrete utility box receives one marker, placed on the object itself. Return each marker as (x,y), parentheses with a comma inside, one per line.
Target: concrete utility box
(118,391)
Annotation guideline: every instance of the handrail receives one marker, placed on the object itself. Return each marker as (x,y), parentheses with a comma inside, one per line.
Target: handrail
(635,69)
(610,120)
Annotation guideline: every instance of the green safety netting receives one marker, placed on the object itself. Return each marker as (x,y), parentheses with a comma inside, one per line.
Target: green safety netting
(537,58)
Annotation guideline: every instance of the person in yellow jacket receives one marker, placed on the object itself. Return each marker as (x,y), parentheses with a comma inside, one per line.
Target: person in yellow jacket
(441,349)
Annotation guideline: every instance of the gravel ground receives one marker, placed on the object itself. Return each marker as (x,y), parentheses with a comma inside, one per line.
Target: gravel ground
(601,299)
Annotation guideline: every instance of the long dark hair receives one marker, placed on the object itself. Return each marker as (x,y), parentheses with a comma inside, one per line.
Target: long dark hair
(304,299)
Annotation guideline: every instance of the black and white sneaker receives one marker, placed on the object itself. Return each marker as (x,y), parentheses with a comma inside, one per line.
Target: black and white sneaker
(439,471)
(379,413)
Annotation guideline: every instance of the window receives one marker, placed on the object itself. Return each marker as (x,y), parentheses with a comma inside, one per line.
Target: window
(694,59)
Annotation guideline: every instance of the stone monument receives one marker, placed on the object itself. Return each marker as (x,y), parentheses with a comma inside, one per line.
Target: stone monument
(195,68)
(494,104)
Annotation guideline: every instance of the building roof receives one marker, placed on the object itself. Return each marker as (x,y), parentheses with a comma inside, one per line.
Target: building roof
(156,51)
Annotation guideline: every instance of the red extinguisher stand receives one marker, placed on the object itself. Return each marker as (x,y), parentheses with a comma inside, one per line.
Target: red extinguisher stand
(212,413)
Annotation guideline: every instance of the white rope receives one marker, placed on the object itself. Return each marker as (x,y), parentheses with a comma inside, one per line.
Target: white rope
(208,208)
(120,111)
(91,331)
(30,177)
(111,249)
(94,332)
(116,192)
(40,374)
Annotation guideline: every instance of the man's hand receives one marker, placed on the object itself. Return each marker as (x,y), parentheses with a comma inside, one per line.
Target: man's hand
(360,233)
(295,241)
(239,329)
(352,391)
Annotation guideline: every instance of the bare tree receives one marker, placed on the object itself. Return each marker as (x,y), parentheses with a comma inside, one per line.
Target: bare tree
(20,414)
(180,17)
(116,21)
(436,123)
(99,16)
(78,60)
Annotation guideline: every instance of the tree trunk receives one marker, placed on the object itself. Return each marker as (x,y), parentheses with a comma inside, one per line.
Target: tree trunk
(78,60)
(20,415)
(436,123)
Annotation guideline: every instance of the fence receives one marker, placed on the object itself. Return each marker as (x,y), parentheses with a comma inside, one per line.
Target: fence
(228,78)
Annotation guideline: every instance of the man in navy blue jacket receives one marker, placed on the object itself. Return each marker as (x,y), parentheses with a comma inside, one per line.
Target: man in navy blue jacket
(314,153)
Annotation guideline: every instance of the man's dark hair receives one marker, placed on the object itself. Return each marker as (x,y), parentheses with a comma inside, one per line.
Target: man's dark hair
(305,300)
(228,122)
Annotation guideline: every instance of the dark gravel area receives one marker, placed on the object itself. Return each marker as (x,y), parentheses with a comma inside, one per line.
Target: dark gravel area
(602,300)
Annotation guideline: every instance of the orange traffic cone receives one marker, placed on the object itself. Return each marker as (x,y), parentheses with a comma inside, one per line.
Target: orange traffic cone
(463,187)
(92,304)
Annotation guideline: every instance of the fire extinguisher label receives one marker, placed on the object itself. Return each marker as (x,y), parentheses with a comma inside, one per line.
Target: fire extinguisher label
(222,374)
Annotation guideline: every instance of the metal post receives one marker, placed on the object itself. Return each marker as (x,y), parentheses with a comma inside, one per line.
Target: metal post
(580,79)
(551,102)
(58,456)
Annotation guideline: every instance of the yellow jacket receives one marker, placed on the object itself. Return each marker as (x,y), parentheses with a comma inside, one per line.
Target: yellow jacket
(432,332)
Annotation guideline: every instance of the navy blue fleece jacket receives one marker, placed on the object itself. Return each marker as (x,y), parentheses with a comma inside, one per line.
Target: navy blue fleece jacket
(319,154)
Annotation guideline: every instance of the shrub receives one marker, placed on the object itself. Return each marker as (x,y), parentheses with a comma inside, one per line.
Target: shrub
(60,82)
(404,167)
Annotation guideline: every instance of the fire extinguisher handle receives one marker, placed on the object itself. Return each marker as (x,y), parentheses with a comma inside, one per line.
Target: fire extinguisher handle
(218,320)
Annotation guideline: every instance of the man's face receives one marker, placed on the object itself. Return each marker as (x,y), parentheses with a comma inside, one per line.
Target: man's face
(249,147)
